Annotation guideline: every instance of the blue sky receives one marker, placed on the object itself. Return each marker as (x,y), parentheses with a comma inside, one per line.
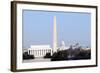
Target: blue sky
(72,27)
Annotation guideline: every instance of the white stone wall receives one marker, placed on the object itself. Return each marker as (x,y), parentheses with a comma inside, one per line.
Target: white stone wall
(39,50)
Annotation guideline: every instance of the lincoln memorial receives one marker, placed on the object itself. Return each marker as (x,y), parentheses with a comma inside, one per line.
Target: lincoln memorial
(39,50)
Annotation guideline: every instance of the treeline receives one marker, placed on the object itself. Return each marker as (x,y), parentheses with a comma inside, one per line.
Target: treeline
(70,54)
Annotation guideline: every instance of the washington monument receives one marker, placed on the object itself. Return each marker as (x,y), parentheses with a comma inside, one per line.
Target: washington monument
(54,35)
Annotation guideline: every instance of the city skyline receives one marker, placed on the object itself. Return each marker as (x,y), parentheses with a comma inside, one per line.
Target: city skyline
(72,27)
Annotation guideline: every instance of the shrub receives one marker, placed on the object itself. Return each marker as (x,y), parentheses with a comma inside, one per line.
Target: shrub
(48,55)
(83,55)
(26,56)
(60,55)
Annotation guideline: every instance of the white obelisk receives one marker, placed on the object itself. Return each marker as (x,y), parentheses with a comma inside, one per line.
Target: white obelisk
(54,35)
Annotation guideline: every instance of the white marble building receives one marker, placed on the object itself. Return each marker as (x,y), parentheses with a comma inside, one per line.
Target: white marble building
(39,50)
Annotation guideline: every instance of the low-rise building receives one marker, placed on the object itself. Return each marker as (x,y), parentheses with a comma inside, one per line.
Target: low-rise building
(39,50)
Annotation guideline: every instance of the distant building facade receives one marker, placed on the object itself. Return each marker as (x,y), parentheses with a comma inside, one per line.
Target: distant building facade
(39,50)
